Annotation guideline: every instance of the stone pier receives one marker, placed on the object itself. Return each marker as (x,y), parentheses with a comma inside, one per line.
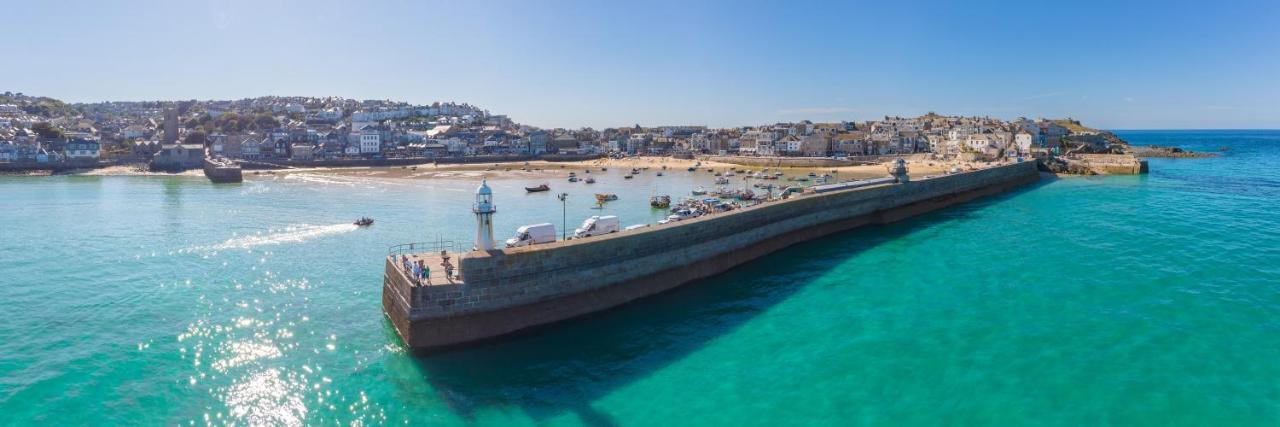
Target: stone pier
(503,291)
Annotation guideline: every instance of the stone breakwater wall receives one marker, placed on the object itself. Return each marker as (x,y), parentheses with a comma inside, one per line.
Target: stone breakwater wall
(1108,164)
(504,291)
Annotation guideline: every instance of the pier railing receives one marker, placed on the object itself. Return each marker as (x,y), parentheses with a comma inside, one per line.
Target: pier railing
(422,247)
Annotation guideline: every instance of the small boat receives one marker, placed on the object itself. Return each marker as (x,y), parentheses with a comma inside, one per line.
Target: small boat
(604,169)
(573,179)
(364,222)
(606,197)
(730,173)
(660,202)
(722,180)
(626,177)
(591,180)
(699,191)
(659,173)
(543,187)
(691,169)
(811,174)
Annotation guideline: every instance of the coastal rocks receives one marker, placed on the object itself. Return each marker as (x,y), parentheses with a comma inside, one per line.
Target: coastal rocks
(1165,152)
(1060,166)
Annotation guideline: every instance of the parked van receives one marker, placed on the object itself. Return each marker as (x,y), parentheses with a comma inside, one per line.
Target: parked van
(597,225)
(532,235)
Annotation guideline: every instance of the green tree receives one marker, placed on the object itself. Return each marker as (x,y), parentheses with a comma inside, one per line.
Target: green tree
(265,121)
(47,130)
(197,137)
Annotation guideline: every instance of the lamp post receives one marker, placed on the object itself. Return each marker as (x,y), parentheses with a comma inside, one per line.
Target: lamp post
(564,217)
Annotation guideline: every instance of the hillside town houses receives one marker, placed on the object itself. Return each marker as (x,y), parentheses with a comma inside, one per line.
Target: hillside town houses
(305,129)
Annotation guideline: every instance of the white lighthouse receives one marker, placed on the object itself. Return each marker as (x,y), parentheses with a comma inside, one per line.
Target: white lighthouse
(484,210)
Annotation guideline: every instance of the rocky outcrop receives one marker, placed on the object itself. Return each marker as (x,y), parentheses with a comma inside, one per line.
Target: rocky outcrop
(1168,152)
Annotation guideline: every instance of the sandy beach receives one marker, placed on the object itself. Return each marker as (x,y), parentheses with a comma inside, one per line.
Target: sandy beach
(540,169)
(543,169)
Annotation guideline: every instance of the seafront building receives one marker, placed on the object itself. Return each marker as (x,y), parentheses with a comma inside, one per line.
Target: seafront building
(306,129)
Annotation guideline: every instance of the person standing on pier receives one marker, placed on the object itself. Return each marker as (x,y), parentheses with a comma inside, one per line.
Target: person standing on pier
(448,266)
(425,272)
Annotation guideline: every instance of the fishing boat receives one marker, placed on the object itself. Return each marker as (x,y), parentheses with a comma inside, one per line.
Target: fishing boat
(660,202)
(606,197)
(543,187)
(699,191)
(364,222)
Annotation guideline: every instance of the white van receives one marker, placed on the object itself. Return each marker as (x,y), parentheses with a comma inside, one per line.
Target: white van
(597,225)
(533,234)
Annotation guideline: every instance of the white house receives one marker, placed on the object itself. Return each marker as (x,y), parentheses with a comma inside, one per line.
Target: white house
(1023,141)
(250,148)
(82,149)
(370,141)
(8,152)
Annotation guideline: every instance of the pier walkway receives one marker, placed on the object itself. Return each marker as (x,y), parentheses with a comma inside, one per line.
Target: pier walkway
(433,261)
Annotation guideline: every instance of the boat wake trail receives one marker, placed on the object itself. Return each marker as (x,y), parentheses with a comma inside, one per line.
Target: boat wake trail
(291,234)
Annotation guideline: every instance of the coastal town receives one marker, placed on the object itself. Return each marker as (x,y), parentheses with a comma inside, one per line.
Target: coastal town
(38,133)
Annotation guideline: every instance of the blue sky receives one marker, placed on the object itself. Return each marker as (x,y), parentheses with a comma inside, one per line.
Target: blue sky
(1118,65)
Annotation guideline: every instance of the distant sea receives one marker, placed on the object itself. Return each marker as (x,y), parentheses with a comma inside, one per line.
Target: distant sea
(1148,299)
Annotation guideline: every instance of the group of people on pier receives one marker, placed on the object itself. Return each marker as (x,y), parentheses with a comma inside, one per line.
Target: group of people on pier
(420,273)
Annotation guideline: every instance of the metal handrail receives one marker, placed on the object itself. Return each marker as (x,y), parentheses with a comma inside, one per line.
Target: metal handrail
(423,247)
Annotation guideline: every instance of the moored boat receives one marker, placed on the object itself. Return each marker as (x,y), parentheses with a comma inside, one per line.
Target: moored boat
(543,187)
(660,201)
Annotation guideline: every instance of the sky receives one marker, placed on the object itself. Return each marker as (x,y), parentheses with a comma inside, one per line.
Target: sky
(1110,64)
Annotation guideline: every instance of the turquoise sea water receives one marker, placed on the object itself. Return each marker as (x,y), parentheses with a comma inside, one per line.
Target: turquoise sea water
(1128,300)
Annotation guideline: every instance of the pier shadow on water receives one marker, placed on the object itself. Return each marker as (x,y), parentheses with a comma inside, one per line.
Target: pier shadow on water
(562,368)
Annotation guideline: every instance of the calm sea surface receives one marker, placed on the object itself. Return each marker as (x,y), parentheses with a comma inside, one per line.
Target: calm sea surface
(1134,299)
